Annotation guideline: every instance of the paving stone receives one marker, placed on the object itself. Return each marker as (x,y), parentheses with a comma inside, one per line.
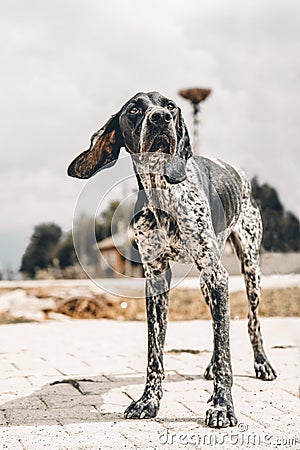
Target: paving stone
(37,380)
(35,430)
(50,437)
(97,436)
(115,396)
(27,366)
(112,408)
(9,396)
(95,387)
(183,386)
(186,425)
(24,403)
(7,369)
(198,409)
(140,432)
(3,419)
(186,397)
(21,417)
(13,384)
(63,402)
(59,389)
(11,443)
(62,417)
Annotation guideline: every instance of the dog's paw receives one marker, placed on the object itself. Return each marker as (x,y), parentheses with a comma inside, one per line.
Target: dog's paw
(208,374)
(264,370)
(220,417)
(145,408)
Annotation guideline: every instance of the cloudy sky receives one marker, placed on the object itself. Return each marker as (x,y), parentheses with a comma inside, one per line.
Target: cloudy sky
(67,65)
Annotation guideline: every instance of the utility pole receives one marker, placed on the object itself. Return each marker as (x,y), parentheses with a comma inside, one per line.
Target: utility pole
(195,96)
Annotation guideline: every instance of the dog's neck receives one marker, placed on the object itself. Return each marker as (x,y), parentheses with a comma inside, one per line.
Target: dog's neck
(154,190)
(150,170)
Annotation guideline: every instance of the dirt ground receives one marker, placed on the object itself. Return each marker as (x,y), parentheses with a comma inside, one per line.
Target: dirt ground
(185,304)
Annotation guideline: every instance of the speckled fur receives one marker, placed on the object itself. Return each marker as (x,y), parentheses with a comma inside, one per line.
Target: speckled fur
(187,207)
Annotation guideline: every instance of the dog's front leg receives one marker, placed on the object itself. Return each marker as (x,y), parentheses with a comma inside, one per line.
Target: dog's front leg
(157,292)
(221,413)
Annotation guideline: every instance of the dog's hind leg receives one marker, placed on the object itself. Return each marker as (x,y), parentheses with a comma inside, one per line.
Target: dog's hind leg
(246,239)
(158,279)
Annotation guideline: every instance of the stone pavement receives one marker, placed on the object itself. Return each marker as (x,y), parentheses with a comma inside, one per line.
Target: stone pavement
(104,362)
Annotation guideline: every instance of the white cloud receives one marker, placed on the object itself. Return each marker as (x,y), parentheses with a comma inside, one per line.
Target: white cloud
(33,196)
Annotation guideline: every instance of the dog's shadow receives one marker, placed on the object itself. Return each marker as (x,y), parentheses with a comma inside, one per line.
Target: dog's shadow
(100,398)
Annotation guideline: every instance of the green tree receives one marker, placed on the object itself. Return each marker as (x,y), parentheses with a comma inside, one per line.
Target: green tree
(65,251)
(281,228)
(84,238)
(41,249)
(47,242)
(104,226)
(290,229)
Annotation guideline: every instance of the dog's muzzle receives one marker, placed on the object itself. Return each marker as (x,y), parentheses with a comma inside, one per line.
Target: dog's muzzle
(159,136)
(158,132)
(159,117)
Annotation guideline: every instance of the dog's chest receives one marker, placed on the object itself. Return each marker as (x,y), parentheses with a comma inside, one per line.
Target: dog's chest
(174,220)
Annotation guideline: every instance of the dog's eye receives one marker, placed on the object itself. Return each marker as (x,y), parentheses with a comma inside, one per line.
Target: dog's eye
(171,106)
(133,110)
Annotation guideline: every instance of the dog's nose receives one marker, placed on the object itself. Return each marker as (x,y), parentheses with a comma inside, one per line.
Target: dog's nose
(160,117)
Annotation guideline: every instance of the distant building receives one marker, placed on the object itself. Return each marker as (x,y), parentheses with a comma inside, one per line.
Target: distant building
(120,255)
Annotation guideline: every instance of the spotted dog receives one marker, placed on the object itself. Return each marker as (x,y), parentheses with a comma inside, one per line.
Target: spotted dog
(187,207)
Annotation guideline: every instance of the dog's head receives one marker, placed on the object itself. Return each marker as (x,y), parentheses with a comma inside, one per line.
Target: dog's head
(147,123)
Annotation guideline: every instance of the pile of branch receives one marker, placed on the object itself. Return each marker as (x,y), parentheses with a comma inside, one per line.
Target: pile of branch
(99,307)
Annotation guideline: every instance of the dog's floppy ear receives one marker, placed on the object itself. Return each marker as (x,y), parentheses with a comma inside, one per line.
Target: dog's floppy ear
(184,148)
(175,168)
(104,149)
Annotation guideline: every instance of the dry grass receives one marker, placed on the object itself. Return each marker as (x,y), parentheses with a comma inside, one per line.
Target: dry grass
(187,305)
(184,305)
